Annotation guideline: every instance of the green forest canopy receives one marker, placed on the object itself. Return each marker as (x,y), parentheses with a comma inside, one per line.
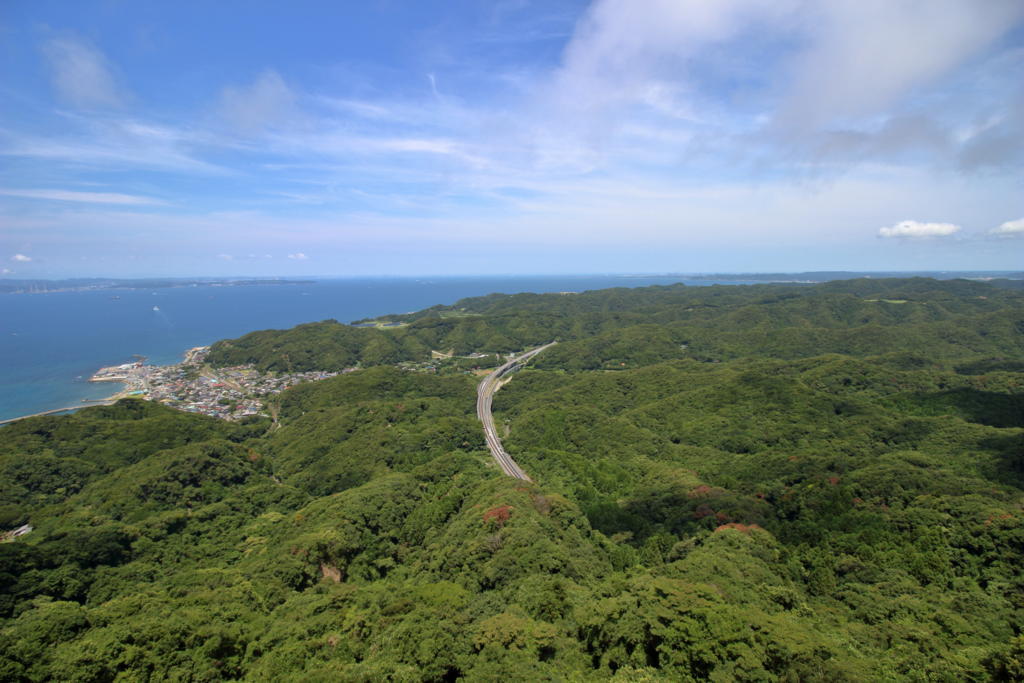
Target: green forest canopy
(771,482)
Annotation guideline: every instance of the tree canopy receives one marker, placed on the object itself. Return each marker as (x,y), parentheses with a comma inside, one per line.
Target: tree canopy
(770,482)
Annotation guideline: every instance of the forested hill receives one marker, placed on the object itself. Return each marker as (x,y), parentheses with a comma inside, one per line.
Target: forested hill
(942,319)
(774,482)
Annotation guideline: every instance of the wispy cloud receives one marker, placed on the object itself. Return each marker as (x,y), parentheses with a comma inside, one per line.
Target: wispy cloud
(360,108)
(81,74)
(631,90)
(86,197)
(662,123)
(21,258)
(265,103)
(109,144)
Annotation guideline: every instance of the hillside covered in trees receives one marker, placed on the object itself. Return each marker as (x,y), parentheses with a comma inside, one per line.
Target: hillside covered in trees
(770,482)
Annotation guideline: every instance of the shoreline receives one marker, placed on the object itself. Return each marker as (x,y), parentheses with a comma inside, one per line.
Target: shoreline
(190,385)
(126,390)
(194,316)
(85,403)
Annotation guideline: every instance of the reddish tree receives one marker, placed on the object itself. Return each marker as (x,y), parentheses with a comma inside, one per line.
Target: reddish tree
(499,515)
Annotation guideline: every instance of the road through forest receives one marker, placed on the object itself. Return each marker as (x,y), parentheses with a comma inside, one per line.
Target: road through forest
(484,395)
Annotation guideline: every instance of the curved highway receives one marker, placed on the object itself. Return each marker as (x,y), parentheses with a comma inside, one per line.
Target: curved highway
(484,393)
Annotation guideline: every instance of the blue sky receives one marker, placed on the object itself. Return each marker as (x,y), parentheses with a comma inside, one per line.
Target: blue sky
(336,138)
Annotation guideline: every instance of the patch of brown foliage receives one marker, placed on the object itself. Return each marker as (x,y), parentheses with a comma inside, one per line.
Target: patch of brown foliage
(329,572)
(1002,518)
(702,490)
(498,515)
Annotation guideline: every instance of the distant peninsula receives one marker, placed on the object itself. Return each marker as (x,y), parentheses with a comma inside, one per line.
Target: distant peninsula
(811,277)
(12,286)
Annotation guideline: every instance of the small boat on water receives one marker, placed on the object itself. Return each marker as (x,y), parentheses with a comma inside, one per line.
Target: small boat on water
(156,308)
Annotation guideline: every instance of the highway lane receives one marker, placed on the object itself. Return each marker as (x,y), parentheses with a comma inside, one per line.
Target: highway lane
(484,396)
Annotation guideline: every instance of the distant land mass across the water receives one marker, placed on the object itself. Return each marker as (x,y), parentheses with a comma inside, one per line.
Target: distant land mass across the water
(21,286)
(830,275)
(1006,279)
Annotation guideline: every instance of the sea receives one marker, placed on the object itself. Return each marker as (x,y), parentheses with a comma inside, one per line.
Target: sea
(52,343)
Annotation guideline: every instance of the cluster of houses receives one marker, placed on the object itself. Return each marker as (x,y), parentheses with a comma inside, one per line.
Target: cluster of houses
(229,393)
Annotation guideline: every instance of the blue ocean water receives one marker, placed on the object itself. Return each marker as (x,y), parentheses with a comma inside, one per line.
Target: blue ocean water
(50,344)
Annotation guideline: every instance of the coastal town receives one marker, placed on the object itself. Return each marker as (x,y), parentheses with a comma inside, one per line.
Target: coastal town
(230,393)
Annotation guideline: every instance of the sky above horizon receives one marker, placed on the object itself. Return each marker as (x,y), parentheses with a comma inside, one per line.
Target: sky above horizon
(510,136)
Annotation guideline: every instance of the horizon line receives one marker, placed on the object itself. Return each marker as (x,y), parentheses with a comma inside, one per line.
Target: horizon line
(627,274)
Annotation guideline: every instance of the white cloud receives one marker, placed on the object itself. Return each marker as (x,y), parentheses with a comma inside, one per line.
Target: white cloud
(847,58)
(81,74)
(634,61)
(806,66)
(864,55)
(226,257)
(86,197)
(5,271)
(268,102)
(918,229)
(658,117)
(621,47)
(21,258)
(1009,229)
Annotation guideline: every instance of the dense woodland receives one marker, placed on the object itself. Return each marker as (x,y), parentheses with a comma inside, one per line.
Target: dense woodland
(771,482)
